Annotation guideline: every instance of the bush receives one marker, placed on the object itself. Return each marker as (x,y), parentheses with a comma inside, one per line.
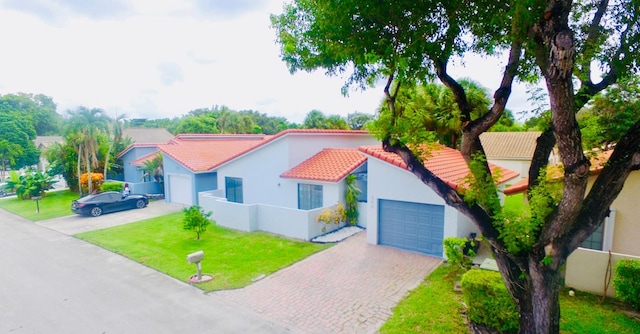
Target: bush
(454,251)
(96,181)
(488,301)
(112,186)
(195,219)
(335,216)
(627,282)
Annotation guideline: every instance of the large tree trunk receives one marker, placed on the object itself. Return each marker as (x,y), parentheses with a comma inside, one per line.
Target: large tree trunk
(534,290)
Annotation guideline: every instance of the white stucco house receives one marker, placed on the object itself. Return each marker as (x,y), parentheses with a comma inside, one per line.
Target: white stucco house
(263,182)
(282,183)
(402,212)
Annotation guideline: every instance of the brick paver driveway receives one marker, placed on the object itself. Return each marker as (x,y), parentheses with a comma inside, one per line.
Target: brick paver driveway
(349,288)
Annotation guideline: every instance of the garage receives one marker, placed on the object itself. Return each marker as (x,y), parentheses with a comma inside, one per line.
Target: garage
(416,227)
(180,189)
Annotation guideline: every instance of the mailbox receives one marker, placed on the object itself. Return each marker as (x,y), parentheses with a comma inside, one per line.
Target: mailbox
(195,257)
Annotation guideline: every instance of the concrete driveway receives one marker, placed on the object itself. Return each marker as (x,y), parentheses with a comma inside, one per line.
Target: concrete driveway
(74,224)
(53,283)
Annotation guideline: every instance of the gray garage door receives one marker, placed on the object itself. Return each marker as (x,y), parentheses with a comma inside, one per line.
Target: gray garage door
(412,226)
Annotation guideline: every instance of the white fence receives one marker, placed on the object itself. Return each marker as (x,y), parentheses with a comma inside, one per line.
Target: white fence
(294,223)
(586,270)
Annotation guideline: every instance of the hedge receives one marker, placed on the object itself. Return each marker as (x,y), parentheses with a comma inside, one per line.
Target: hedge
(488,301)
(627,282)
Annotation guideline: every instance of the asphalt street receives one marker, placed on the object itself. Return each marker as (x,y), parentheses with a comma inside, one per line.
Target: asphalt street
(51,282)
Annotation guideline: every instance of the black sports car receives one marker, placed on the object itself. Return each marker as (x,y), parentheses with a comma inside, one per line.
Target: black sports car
(109,201)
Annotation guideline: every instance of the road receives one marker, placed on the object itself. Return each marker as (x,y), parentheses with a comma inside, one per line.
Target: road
(51,282)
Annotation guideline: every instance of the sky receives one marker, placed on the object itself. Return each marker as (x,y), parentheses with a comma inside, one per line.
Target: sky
(161,59)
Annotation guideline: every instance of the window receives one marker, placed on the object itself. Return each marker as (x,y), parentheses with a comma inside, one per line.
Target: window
(361,183)
(594,241)
(233,188)
(602,238)
(309,196)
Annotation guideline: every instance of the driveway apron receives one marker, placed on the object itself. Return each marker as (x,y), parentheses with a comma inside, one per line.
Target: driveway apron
(349,288)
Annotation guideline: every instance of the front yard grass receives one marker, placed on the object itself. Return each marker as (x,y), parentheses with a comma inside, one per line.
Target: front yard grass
(53,205)
(434,307)
(233,257)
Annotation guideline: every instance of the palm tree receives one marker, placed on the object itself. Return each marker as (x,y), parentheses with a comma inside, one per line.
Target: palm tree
(116,128)
(153,168)
(85,126)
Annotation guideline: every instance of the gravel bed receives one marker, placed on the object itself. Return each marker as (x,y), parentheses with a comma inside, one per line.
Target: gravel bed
(337,235)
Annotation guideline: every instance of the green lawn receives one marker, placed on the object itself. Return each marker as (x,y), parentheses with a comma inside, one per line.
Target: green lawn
(514,202)
(434,307)
(54,204)
(233,257)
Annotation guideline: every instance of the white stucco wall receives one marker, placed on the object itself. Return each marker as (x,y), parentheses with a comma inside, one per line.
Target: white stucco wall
(520,166)
(390,182)
(260,170)
(586,270)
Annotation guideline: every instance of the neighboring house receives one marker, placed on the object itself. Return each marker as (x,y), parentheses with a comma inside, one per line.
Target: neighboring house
(144,146)
(403,212)
(42,143)
(512,150)
(587,266)
(147,135)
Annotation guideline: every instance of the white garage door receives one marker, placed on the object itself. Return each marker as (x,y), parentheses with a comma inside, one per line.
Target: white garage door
(180,189)
(412,226)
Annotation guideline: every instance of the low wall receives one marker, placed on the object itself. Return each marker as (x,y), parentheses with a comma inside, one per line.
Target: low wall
(143,188)
(294,223)
(586,270)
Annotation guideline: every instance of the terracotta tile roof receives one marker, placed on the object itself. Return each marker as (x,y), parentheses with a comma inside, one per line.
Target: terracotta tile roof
(446,163)
(509,145)
(148,157)
(330,164)
(204,152)
(555,172)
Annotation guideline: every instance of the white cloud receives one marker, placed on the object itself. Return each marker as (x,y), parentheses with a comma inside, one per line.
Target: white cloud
(161,59)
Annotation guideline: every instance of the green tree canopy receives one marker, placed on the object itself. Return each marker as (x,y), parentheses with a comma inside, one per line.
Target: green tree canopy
(606,119)
(18,131)
(316,119)
(39,109)
(405,41)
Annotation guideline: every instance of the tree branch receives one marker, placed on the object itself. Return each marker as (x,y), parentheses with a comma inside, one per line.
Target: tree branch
(540,160)
(475,212)
(624,159)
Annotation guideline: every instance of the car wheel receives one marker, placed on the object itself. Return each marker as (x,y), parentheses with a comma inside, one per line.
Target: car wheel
(96,211)
(140,204)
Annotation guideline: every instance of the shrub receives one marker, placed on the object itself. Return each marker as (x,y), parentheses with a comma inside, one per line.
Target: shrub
(112,186)
(454,251)
(488,301)
(195,219)
(336,216)
(351,200)
(627,282)
(96,181)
